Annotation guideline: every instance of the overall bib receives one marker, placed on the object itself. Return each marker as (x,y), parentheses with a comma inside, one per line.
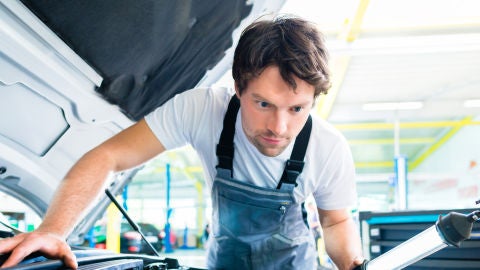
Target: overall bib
(256,227)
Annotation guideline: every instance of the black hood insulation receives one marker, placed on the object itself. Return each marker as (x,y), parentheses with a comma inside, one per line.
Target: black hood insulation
(146,50)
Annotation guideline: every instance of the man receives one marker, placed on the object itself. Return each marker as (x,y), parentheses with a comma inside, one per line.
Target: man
(270,156)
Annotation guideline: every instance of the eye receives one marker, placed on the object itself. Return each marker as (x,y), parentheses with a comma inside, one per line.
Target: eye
(263,104)
(297,109)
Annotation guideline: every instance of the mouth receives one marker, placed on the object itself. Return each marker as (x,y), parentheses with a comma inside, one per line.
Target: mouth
(270,146)
(273,141)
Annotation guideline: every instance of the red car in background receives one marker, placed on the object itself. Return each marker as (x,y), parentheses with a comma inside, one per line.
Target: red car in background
(130,240)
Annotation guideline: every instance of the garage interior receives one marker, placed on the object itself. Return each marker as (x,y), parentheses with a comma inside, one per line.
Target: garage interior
(405,94)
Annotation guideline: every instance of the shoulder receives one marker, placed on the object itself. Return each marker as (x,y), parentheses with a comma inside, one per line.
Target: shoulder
(214,94)
(327,144)
(325,133)
(207,97)
(189,117)
(197,101)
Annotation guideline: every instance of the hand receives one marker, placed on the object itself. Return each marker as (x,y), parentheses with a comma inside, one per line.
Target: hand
(50,245)
(358,263)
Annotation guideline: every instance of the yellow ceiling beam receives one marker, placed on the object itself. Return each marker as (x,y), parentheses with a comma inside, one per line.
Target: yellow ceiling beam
(349,33)
(374,164)
(392,141)
(353,25)
(194,169)
(325,102)
(454,126)
(428,152)
(433,124)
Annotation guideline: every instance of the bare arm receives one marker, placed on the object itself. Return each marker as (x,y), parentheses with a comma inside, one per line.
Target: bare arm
(342,240)
(81,186)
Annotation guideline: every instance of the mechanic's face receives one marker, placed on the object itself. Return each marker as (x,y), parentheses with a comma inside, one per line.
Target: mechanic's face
(272,113)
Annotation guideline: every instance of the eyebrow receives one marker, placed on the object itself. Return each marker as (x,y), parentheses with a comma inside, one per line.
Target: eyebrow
(257,96)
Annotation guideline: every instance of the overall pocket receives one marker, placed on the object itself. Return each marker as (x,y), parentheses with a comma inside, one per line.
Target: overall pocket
(246,210)
(243,218)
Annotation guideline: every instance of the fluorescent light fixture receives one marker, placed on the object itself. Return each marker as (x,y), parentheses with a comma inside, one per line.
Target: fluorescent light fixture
(410,251)
(392,106)
(471,103)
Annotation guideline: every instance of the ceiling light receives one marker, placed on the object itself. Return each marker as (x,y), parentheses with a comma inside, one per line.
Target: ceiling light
(471,103)
(392,106)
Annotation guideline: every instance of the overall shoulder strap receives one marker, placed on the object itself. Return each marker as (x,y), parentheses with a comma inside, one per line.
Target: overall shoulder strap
(225,147)
(294,166)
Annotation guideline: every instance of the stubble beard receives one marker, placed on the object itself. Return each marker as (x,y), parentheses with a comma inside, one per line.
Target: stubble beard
(269,151)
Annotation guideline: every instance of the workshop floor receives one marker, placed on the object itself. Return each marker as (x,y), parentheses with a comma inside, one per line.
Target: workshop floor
(197,258)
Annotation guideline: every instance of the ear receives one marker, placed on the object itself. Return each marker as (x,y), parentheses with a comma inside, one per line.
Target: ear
(237,92)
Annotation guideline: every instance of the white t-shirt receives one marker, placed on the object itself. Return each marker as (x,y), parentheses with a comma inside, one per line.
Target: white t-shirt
(196,116)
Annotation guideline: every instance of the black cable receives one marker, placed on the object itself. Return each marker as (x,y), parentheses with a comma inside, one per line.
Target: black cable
(130,221)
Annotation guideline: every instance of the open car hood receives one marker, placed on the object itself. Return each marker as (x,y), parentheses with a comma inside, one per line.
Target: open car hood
(74,73)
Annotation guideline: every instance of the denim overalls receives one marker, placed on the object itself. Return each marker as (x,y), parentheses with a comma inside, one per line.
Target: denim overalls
(256,227)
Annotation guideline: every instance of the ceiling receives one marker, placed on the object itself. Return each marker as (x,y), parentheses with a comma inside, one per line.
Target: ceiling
(426,52)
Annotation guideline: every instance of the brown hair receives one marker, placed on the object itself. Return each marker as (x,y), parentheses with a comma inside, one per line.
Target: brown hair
(292,44)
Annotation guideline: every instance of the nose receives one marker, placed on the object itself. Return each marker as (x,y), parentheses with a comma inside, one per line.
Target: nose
(277,123)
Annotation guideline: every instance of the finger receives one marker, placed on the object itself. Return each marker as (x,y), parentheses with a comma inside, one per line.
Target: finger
(17,255)
(358,260)
(69,260)
(66,255)
(8,244)
(61,250)
(20,247)
(23,245)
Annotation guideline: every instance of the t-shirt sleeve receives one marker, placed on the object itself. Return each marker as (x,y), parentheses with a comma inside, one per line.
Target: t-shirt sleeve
(176,123)
(338,188)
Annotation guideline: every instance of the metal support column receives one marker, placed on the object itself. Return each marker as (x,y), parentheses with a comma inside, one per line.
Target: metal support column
(401,183)
(168,245)
(125,197)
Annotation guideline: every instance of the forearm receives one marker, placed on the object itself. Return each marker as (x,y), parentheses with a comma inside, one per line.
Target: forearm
(79,191)
(76,193)
(85,181)
(342,243)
